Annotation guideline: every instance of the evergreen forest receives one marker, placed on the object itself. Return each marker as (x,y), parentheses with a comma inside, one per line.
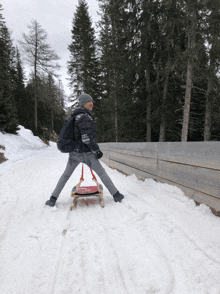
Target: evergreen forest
(151,66)
(36,103)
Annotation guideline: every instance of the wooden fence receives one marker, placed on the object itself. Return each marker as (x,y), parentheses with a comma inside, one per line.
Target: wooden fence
(192,166)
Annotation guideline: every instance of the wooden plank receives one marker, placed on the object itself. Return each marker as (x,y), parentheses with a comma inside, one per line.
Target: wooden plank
(136,149)
(196,178)
(204,154)
(128,170)
(147,165)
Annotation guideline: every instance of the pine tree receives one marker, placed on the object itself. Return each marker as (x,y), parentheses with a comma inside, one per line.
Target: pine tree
(40,56)
(51,108)
(193,11)
(169,44)
(8,117)
(148,29)
(21,99)
(83,65)
(53,100)
(212,33)
(117,67)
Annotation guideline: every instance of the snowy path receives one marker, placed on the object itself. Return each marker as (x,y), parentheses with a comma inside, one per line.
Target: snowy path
(156,241)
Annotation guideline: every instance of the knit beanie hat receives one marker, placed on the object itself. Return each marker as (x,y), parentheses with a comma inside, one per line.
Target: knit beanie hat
(84,98)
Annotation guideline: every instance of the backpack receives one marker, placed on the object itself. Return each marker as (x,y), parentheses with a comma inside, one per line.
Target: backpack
(66,142)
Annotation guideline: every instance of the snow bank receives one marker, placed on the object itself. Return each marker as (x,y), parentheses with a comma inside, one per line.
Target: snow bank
(21,146)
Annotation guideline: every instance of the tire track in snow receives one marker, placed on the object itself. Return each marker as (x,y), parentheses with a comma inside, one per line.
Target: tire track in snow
(23,217)
(11,203)
(134,269)
(88,251)
(57,267)
(119,270)
(172,225)
(166,226)
(113,252)
(156,252)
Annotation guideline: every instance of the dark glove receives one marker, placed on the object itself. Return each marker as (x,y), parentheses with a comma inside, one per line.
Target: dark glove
(93,146)
(98,154)
(95,149)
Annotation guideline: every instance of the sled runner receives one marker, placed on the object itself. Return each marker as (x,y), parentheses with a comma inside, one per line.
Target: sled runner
(79,191)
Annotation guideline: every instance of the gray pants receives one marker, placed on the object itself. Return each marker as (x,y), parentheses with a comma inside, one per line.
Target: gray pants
(89,159)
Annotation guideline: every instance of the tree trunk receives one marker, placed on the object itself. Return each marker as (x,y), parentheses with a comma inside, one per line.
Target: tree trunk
(186,110)
(35,102)
(163,113)
(207,127)
(113,97)
(35,78)
(208,110)
(52,124)
(116,120)
(148,118)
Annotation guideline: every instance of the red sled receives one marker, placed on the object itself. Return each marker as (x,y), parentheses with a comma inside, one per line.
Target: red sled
(79,191)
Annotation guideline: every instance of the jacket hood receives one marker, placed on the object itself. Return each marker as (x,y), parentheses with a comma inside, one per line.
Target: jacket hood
(81,110)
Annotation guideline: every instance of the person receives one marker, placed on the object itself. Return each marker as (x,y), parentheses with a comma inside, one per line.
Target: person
(86,151)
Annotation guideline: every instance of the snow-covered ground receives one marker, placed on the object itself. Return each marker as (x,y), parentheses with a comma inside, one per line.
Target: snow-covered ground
(156,241)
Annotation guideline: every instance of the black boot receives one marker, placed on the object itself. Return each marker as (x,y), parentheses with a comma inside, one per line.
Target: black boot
(51,202)
(118,197)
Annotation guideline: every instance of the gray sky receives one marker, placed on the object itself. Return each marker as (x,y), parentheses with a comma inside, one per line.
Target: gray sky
(54,16)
